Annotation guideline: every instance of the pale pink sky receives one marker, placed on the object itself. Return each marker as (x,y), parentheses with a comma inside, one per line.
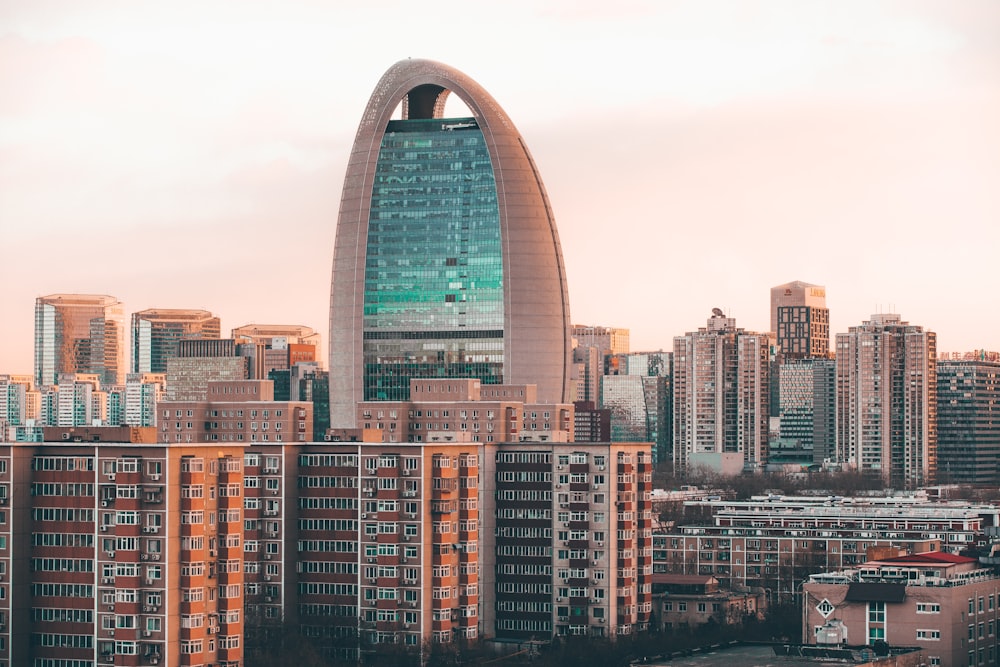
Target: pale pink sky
(191,154)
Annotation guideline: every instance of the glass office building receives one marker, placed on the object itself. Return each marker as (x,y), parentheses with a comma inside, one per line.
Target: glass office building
(79,333)
(157,332)
(447,261)
(434,273)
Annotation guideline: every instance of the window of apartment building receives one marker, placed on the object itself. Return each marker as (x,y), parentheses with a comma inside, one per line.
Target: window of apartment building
(876,621)
(928,635)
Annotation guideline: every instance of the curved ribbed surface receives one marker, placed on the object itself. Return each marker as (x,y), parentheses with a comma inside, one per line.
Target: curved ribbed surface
(535,299)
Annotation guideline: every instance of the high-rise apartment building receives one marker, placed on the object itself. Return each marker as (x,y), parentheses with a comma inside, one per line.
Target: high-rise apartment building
(157,332)
(720,397)
(447,261)
(800,320)
(887,400)
(125,553)
(79,333)
(570,552)
(143,391)
(19,401)
(968,400)
(77,400)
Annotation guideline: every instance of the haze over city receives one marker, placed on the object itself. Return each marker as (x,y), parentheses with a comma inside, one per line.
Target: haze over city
(695,154)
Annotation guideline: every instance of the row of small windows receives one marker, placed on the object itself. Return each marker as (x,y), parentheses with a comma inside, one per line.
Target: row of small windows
(63,640)
(62,463)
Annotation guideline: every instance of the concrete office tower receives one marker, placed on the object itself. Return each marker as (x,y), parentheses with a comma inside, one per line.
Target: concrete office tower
(157,332)
(887,401)
(200,362)
(800,320)
(79,333)
(447,261)
(968,400)
(721,397)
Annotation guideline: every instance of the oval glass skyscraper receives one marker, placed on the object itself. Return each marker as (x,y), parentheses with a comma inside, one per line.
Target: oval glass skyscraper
(447,261)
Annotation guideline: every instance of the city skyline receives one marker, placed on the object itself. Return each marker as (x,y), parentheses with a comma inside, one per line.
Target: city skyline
(748,145)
